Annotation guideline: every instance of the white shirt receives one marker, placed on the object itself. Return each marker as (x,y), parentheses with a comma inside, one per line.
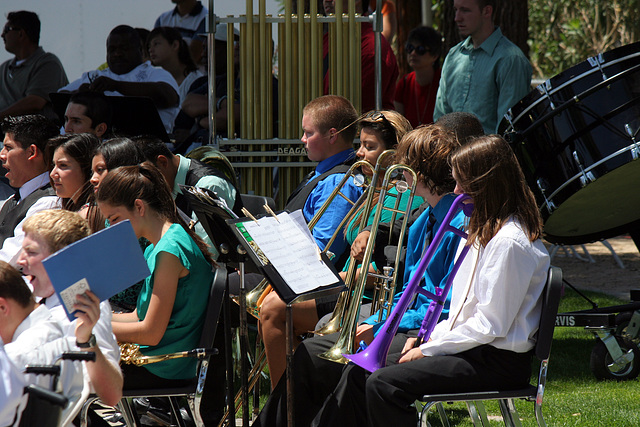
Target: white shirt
(102,329)
(40,340)
(11,385)
(143,73)
(501,305)
(183,89)
(12,246)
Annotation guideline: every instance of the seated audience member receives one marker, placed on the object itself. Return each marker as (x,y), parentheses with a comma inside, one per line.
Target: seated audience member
(88,112)
(23,157)
(189,17)
(128,75)
(27,80)
(46,233)
(11,388)
(33,337)
(70,158)
(389,62)
(416,92)
(376,136)
(167,49)
(171,307)
(427,150)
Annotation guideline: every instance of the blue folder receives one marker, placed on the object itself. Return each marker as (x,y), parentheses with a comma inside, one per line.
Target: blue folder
(106,262)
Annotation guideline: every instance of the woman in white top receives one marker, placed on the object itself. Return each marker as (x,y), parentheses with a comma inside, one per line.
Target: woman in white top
(167,49)
(495,304)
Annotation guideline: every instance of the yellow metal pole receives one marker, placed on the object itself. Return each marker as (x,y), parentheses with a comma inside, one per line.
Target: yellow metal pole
(231,127)
(288,32)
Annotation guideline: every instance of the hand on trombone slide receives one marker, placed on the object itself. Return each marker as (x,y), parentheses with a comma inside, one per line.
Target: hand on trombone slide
(410,352)
(359,245)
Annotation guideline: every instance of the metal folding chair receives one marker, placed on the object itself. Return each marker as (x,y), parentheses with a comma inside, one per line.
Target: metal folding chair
(531,393)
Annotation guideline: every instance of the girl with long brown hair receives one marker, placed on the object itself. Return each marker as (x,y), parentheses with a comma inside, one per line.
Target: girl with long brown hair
(171,306)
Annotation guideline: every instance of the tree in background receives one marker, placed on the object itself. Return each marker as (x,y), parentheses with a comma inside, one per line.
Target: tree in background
(567,32)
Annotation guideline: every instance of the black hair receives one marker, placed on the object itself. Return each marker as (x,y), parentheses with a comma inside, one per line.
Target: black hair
(30,129)
(28,21)
(427,37)
(119,152)
(97,107)
(152,147)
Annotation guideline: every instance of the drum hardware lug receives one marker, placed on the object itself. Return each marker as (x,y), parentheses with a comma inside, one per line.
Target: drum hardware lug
(545,88)
(586,177)
(597,61)
(549,203)
(509,116)
(634,147)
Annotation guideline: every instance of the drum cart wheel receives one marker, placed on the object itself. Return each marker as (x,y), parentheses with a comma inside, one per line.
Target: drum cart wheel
(616,353)
(615,358)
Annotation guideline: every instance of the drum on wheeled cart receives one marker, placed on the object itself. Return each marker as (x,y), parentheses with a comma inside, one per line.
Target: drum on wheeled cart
(576,137)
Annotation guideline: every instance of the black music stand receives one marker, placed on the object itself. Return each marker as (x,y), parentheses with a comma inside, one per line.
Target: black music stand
(286,294)
(212,213)
(131,115)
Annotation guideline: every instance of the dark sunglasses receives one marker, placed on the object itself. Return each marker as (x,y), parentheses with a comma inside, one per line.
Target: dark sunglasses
(420,50)
(8,28)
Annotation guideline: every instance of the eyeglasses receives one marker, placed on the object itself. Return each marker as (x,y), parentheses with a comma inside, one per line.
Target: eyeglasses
(420,50)
(374,116)
(8,28)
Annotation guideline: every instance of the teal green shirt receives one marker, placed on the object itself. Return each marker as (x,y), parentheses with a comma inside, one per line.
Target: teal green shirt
(485,81)
(189,309)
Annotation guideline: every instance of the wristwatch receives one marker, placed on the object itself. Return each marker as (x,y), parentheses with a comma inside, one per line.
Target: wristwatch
(88,344)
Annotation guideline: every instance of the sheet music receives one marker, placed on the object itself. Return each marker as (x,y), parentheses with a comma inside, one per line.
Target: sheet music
(290,251)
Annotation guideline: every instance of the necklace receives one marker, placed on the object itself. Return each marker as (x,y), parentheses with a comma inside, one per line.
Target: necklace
(426,104)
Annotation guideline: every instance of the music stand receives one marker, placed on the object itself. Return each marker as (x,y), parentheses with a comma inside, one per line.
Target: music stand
(288,295)
(131,115)
(212,213)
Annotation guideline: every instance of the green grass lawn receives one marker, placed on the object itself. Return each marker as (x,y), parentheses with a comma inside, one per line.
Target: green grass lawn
(573,396)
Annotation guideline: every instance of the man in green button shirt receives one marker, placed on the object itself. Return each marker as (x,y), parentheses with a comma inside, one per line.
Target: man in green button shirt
(485,74)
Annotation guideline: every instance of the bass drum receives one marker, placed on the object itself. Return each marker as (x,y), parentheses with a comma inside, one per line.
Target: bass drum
(577,139)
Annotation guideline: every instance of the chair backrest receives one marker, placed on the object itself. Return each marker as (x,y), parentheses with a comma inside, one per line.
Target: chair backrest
(550,302)
(255,203)
(43,408)
(216,294)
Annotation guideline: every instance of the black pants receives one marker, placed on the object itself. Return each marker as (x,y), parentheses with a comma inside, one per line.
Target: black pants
(384,398)
(314,380)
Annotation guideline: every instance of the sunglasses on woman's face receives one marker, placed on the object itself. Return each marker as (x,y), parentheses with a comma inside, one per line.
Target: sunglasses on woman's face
(420,50)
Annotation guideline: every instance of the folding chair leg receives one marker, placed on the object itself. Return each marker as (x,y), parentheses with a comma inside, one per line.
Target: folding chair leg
(443,415)
(509,413)
(130,417)
(175,410)
(539,417)
(477,412)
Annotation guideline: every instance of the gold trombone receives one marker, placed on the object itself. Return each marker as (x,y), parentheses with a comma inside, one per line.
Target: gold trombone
(333,325)
(350,312)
